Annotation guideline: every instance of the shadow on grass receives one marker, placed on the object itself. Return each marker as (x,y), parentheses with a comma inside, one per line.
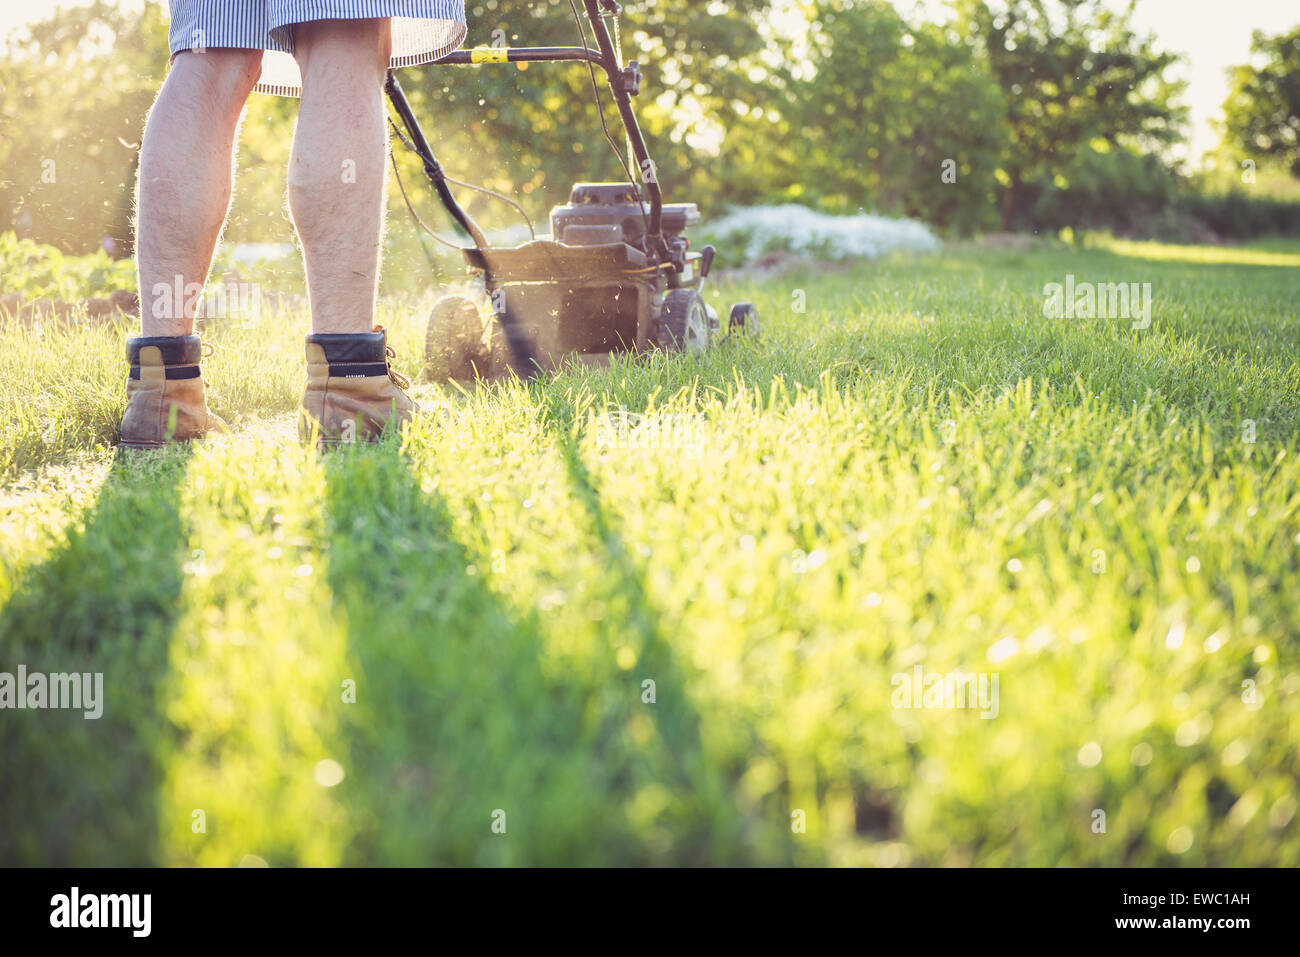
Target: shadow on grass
(456,727)
(462,725)
(705,827)
(84,792)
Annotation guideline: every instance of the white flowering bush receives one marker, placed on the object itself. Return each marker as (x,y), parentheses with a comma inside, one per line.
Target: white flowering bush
(747,234)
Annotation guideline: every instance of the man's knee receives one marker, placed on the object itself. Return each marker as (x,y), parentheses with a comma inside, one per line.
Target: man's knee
(227,73)
(356,43)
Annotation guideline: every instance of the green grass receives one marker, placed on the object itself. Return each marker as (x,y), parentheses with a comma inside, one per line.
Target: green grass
(918,469)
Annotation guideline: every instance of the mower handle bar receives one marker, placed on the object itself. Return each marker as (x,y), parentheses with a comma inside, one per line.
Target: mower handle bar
(605,57)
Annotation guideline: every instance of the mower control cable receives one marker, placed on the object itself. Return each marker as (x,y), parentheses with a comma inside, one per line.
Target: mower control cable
(611,10)
(451,245)
(455,182)
(439,176)
(433,169)
(414,215)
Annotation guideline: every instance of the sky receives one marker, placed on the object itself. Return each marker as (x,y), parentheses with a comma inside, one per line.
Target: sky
(1213,34)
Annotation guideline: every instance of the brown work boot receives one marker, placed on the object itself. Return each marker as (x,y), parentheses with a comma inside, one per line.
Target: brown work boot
(166,397)
(352,390)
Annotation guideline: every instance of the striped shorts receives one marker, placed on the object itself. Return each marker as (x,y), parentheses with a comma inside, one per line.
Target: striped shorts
(423,30)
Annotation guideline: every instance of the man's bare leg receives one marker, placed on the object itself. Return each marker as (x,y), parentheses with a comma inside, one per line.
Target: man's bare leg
(336,196)
(337,168)
(185,181)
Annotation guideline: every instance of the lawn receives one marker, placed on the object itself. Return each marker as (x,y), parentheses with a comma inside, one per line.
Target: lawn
(537,631)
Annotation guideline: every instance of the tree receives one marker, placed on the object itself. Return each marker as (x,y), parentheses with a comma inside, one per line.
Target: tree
(1076,76)
(74,91)
(895,116)
(1262,111)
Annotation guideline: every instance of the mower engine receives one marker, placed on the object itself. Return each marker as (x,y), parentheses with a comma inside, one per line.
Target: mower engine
(588,290)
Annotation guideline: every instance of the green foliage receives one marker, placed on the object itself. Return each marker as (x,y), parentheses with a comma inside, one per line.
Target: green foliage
(918,470)
(1262,111)
(1053,113)
(35,270)
(1074,74)
(872,113)
(74,94)
(1101,186)
(1238,214)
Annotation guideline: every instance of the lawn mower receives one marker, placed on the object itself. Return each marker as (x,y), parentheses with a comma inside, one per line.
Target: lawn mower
(616,273)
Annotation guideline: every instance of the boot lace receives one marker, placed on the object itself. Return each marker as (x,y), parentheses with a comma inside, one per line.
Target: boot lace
(399,380)
(206,351)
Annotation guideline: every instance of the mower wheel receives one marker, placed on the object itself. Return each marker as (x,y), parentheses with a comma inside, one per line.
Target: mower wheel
(684,322)
(454,346)
(744,320)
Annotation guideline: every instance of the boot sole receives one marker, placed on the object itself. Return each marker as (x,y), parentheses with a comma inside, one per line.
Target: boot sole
(161,445)
(325,445)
